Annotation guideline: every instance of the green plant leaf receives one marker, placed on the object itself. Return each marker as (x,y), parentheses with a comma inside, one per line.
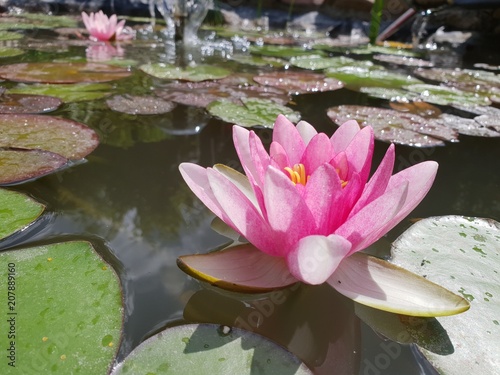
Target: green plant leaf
(190,73)
(199,349)
(252,112)
(64,310)
(17,212)
(10,52)
(356,78)
(75,92)
(463,255)
(443,95)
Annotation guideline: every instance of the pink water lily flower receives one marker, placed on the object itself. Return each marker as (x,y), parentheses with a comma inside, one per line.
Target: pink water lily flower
(102,28)
(309,200)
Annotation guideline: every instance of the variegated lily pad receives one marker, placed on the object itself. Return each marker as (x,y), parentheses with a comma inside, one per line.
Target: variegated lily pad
(23,165)
(139,105)
(190,73)
(317,62)
(19,103)
(447,95)
(62,72)
(75,92)
(394,126)
(251,112)
(65,137)
(355,78)
(299,82)
(201,94)
(403,60)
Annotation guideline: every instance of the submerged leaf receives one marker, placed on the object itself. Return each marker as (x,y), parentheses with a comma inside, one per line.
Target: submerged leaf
(210,349)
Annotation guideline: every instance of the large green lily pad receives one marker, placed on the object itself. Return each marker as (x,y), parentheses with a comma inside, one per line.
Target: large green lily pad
(251,112)
(10,51)
(23,165)
(65,137)
(200,349)
(463,255)
(62,72)
(356,78)
(190,73)
(285,52)
(9,35)
(318,62)
(75,92)
(447,95)
(17,212)
(62,308)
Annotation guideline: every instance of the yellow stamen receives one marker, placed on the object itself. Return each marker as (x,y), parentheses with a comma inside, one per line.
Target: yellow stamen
(298,174)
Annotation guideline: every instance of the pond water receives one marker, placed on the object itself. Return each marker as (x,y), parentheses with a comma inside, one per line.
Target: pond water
(129,200)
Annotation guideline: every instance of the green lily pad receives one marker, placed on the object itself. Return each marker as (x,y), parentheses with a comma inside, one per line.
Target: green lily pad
(10,51)
(21,103)
(23,165)
(64,310)
(403,60)
(75,92)
(198,349)
(17,213)
(356,78)
(464,79)
(463,255)
(251,112)
(258,60)
(372,49)
(316,62)
(447,95)
(139,105)
(191,73)
(394,126)
(299,82)
(62,72)
(285,52)
(10,35)
(65,137)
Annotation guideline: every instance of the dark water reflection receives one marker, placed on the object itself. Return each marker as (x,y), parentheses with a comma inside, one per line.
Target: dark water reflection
(130,201)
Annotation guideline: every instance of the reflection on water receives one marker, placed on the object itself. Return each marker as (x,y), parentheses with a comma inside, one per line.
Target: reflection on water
(130,197)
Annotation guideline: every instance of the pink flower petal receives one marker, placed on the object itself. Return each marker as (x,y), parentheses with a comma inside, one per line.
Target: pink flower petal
(317,152)
(287,212)
(378,182)
(286,134)
(315,258)
(306,131)
(344,135)
(243,214)
(242,268)
(359,153)
(369,224)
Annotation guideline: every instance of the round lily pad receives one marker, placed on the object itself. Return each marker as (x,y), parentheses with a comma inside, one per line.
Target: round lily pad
(356,78)
(190,73)
(447,95)
(65,137)
(10,51)
(10,35)
(285,52)
(393,126)
(403,60)
(251,112)
(62,72)
(463,255)
(22,212)
(65,310)
(20,103)
(316,62)
(23,165)
(472,127)
(299,82)
(463,79)
(75,92)
(201,94)
(139,105)
(199,349)
(258,60)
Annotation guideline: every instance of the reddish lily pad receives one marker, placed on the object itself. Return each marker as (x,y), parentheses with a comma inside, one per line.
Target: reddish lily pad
(299,83)
(139,105)
(418,108)
(190,73)
(62,72)
(23,165)
(394,126)
(19,103)
(201,94)
(403,60)
(65,137)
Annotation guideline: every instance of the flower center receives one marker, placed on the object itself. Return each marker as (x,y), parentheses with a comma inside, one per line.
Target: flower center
(298,174)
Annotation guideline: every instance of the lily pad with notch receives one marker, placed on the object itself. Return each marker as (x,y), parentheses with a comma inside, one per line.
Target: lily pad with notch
(25,103)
